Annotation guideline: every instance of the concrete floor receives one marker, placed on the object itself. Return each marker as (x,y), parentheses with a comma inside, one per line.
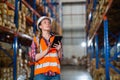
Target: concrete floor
(74,73)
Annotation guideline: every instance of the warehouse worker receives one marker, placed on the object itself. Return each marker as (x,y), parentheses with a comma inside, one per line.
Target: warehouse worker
(47,64)
(32,52)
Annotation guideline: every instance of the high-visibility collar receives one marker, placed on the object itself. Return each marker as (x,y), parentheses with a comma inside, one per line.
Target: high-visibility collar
(44,44)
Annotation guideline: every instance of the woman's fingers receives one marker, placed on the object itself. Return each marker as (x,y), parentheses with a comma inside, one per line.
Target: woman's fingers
(59,42)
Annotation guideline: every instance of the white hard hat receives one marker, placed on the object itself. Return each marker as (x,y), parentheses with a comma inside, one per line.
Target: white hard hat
(42,18)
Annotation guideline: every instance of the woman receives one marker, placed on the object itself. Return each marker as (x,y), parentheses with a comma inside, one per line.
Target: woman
(47,64)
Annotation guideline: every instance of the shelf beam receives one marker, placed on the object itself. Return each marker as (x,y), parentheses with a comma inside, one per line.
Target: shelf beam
(29,20)
(10,5)
(34,11)
(11,33)
(99,23)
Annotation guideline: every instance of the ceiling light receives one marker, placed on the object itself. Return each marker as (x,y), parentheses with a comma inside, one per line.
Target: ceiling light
(83,44)
(118,44)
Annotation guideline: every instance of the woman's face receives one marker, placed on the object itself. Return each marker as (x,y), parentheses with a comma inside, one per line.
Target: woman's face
(45,25)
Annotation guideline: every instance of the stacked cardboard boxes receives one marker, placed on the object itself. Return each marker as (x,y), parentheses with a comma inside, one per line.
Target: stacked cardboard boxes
(6,73)
(22,67)
(10,20)
(21,22)
(3,14)
(7,17)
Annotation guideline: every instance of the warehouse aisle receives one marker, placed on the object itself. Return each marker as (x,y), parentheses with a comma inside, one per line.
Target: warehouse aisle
(74,73)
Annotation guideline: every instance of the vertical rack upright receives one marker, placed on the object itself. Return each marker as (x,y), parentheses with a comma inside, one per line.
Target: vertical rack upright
(15,44)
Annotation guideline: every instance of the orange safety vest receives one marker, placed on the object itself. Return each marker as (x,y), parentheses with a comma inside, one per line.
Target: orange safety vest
(49,62)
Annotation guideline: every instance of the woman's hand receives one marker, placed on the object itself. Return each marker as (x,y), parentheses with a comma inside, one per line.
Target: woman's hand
(59,49)
(58,46)
(43,53)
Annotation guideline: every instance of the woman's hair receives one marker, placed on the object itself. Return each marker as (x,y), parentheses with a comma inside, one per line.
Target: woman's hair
(38,33)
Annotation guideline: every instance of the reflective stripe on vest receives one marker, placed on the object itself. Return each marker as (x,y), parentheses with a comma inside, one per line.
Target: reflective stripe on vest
(52,55)
(48,62)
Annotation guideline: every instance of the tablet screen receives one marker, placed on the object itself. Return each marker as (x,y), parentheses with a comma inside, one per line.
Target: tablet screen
(57,38)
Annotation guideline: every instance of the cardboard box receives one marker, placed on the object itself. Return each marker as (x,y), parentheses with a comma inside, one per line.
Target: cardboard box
(3,6)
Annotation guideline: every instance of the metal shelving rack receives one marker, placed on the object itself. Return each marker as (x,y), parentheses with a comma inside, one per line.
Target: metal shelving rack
(92,37)
(15,35)
(52,6)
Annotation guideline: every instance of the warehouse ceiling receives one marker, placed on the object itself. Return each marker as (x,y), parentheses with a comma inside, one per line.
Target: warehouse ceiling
(113,16)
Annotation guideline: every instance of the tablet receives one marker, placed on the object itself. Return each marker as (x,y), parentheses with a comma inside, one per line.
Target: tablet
(57,38)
